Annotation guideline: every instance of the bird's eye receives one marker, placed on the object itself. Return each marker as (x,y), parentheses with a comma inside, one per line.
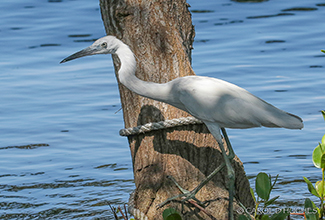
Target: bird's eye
(104,44)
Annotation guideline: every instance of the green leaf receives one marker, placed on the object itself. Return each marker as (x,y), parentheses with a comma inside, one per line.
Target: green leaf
(320,188)
(318,211)
(322,160)
(311,188)
(323,139)
(171,214)
(269,202)
(265,217)
(316,208)
(263,186)
(281,215)
(323,51)
(310,210)
(243,217)
(318,154)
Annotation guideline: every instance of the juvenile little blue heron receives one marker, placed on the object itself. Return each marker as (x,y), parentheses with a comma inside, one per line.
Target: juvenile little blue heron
(217,103)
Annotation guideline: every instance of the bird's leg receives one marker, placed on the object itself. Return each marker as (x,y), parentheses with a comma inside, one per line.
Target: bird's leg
(206,180)
(231,175)
(185,193)
(191,194)
(231,189)
(231,154)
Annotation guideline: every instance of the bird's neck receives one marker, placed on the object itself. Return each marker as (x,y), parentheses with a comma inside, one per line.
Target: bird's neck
(127,77)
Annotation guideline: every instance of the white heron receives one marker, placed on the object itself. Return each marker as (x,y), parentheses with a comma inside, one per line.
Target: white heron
(219,104)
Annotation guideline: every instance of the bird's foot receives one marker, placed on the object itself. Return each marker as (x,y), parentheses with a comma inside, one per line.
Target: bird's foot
(185,196)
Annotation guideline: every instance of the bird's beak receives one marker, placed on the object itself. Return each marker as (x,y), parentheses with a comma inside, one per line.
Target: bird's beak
(82,53)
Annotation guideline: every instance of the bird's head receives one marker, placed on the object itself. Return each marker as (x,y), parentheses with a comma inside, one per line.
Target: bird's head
(105,45)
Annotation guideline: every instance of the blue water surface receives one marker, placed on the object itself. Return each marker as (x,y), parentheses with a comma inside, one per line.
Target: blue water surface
(60,153)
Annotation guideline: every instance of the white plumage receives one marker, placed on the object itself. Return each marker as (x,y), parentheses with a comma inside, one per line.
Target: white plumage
(217,103)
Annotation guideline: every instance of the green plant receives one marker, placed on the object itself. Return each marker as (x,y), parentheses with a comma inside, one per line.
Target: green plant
(171,214)
(263,188)
(319,189)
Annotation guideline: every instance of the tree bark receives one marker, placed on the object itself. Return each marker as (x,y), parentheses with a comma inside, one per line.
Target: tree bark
(160,33)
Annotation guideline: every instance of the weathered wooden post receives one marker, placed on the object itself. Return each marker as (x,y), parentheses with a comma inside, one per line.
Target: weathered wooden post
(160,33)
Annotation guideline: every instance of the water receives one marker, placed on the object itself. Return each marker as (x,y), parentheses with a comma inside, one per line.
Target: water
(60,153)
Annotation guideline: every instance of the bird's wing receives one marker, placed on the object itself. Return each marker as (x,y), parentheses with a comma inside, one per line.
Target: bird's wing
(230,106)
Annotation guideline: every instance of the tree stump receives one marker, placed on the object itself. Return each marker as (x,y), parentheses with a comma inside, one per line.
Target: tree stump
(160,33)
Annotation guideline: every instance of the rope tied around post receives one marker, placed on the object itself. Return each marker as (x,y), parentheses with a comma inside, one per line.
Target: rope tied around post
(153,126)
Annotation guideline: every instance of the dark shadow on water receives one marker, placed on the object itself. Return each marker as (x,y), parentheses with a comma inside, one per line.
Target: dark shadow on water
(202,11)
(26,147)
(249,1)
(270,16)
(54,0)
(79,35)
(86,40)
(300,9)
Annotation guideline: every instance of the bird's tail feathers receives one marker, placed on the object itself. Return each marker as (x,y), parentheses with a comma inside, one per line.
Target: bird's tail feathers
(285,120)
